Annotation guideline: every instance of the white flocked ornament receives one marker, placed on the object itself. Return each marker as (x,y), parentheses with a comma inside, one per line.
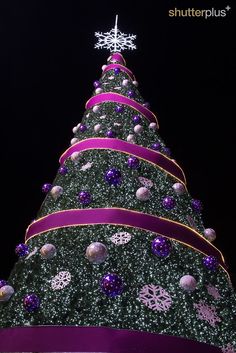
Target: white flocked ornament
(96,253)
(210,234)
(138,129)
(56,192)
(135,83)
(153,126)
(188,283)
(96,109)
(73,141)
(104,67)
(75,156)
(131,138)
(5,293)
(97,127)
(75,129)
(125,82)
(143,194)
(98,90)
(48,251)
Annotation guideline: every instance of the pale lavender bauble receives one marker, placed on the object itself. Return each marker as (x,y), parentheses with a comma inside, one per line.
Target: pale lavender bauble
(138,129)
(98,90)
(125,82)
(131,138)
(75,129)
(97,127)
(75,156)
(143,194)
(210,234)
(104,67)
(188,283)
(96,109)
(96,253)
(135,83)
(153,126)
(48,251)
(5,293)
(73,141)
(56,192)
(179,188)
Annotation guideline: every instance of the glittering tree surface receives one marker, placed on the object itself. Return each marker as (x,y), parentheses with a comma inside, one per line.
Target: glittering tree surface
(146,292)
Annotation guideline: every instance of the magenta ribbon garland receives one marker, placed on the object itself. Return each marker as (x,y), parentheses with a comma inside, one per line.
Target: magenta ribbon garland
(124,217)
(118,98)
(122,146)
(95,339)
(121,67)
(118,57)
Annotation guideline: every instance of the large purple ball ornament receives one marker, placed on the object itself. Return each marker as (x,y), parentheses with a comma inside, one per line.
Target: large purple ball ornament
(46,187)
(63,170)
(113,176)
(210,262)
(82,128)
(84,197)
(3,283)
(161,246)
(168,203)
(31,303)
(133,162)
(22,250)
(196,205)
(116,70)
(112,285)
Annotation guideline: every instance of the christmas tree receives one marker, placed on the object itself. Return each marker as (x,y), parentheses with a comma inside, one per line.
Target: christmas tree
(118,259)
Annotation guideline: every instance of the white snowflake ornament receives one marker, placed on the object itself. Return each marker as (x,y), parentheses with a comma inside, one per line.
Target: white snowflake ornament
(207,313)
(115,40)
(145,182)
(213,291)
(121,238)
(228,349)
(61,280)
(155,297)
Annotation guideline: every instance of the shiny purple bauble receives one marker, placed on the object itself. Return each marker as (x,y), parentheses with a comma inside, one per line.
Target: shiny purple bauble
(119,109)
(116,70)
(156,146)
(46,187)
(166,151)
(3,283)
(96,84)
(22,250)
(131,94)
(210,262)
(168,203)
(133,162)
(136,119)
(161,246)
(84,197)
(112,285)
(110,134)
(31,303)
(146,105)
(82,128)
(113,176)
(63,170)
(196,205)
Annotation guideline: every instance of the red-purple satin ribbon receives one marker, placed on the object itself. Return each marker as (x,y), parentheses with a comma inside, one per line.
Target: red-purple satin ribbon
(119,98)
(126,147)
(95,339)
(118,57)
(121,67)
(120,216)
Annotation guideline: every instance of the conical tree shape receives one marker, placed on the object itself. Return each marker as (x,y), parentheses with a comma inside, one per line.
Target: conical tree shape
(130,267)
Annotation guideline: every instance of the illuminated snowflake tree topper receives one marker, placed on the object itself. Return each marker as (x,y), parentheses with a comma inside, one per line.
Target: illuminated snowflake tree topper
(115,40)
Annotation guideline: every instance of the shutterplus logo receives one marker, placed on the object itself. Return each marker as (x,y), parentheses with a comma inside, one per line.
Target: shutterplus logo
(205,13)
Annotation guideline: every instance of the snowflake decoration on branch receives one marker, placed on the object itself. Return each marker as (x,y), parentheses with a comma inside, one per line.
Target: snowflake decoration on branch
(115,40)
(61,280)
(155,297)
(121,238)
(207,313)
(146,182)
(228,349)
(213,291)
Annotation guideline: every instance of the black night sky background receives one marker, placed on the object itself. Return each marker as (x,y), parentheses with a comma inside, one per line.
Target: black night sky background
(185,69)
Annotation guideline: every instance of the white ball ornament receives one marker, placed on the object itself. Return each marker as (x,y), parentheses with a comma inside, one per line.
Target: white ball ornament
(138,129)
(210,234)
(96,253)
(135,83)
(56,192)
(75,156)
(97,127)
(96,109)
(48,251)
(188,283)
(104,67)
(75,129)
(5,293)
(153,126)
(179,188)
(143,194)
(125,82)
(73,141)
(98,90)
(131,138)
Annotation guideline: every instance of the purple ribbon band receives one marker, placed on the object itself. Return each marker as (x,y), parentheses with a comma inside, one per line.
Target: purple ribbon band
(118,57)
(121,67)
(119,98)
(126,147)
(95,339)
(120,216)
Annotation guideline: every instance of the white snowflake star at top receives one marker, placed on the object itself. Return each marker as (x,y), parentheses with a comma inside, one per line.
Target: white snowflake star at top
(115,40)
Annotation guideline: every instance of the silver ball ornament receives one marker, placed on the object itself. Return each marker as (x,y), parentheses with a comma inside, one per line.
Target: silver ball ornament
(179,188)
(97,127)
(131,138)
(143,194)
(188,283)
(138,129)
(125,82)
(98,90)
(135,83)
(210,234)
(96,109)
(75,129)
(153,126)
(5,293)
(73,141)
(96,253)
(48,251)
(75,156)
(56,192)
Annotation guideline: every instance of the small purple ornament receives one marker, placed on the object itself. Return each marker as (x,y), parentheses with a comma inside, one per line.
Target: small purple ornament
(22,250)
(63,170)
(156,146)
(210,262)
(3,283)
(146,105)
(113,176)
(168,203)
(196,205)
(166,151)
(112,285)
(31,302)
(119,109)
(46,187)
(84,198)
(161,246)
(116,70)
(96,84)
(136,119)
(110,134)
(133,162)
(131,94)
(82,128)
